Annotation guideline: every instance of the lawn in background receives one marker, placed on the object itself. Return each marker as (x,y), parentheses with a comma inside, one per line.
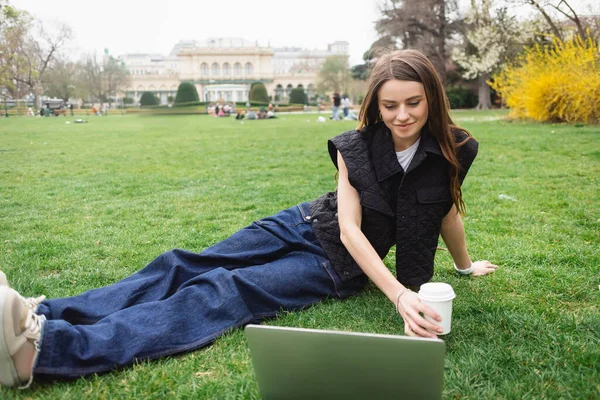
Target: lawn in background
(84,205)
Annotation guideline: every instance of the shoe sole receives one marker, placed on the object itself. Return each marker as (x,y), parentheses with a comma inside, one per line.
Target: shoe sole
(8,373)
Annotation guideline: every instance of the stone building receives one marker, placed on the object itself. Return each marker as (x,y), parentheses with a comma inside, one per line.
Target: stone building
(223,69)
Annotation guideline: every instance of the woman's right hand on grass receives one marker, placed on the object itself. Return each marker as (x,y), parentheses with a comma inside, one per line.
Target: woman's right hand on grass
(410,309)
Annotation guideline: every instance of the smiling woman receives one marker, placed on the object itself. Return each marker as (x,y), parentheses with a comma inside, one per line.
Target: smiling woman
(310,252)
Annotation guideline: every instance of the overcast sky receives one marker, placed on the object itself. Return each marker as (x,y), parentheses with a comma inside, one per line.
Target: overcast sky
(151,26)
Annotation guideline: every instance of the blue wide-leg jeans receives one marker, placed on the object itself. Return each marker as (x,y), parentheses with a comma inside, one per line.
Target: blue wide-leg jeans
(182,301)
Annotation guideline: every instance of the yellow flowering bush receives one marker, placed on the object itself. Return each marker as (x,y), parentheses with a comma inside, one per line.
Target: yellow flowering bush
(558,83)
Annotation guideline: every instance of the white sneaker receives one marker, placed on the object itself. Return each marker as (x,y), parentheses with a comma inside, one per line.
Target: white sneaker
(18,326)
(31,303)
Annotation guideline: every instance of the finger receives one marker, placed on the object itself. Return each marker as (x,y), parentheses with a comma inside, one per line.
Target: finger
(408,331)
(423,327)
(431,313)
(421,331)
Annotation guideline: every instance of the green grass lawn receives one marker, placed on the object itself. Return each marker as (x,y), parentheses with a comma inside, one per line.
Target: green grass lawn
(84,205)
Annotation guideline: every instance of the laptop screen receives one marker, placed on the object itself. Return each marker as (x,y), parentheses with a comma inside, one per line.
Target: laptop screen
(294,363)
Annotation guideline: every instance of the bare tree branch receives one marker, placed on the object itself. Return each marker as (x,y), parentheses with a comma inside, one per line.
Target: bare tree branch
(557,32)
(574,17)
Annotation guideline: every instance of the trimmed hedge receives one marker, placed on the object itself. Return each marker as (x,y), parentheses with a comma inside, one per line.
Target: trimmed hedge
(298,96)
(258,92)
(149,99)
(186,93)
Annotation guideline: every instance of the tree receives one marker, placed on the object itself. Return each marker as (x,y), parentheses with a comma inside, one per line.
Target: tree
(488,41)
(104,78)
(14,28)
(149,99)
(423,25)
(298,96)
(334,75)
(186,92)
(63,80)
(258,92)
(554,14)
(31,50)
(361,71)
(9,19)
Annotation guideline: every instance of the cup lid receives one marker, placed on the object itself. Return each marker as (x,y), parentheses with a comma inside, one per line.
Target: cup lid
(436,291)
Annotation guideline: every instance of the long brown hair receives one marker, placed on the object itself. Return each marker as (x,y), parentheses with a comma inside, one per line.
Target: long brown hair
(411,65)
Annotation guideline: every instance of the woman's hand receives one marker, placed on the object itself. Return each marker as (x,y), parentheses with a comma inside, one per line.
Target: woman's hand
(483,268)
(410,308)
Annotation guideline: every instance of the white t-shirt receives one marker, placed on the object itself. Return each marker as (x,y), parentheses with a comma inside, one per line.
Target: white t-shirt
(406,156)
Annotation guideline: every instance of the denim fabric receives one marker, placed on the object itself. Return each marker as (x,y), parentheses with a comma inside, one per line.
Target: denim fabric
(336,113)
(182,301)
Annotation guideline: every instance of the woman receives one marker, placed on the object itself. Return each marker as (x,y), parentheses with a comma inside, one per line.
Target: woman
(399,184)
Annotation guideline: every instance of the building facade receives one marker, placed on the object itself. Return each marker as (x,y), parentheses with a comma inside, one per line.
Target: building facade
(223,69)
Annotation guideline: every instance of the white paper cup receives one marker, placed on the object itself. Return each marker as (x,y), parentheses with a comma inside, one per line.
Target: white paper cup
(438,296)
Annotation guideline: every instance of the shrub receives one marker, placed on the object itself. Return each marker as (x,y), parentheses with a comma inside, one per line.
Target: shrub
(170,98)
(461,97)
(148,99)
(191,104)
(186,92)
(258,92)
(298,96)
(127,100)
(558,83)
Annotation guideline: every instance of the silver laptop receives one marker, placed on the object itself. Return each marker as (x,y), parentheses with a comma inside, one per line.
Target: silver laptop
(307,364)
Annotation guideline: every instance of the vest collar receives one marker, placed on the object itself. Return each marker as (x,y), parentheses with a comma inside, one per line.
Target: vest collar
(384,155)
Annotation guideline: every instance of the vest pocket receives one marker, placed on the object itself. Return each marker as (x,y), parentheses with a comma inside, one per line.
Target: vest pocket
(432,205)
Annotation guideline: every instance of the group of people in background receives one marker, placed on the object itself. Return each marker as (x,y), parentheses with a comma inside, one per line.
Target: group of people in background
(262,113)
(345,104)
(100,110)
(219,110)
(47,111)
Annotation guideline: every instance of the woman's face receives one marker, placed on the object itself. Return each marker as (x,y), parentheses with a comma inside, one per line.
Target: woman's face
(404,110)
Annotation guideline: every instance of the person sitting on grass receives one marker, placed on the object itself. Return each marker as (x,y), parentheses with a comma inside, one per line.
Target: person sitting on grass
(400,176)
(262,114)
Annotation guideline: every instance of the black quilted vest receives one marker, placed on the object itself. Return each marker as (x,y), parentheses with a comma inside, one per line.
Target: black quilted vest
(398,208)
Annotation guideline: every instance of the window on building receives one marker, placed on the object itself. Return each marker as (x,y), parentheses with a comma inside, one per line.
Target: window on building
(226,69)
(237,69)
(279,92)
(215,70)
(310,91)
(249,69)
(204,69)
